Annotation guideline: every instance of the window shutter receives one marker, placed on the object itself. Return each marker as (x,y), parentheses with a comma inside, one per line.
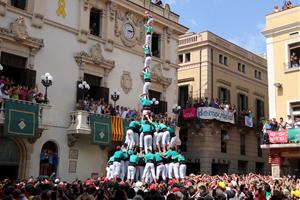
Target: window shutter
(246,102)
(163,107)
(228,96)
(104,93)
(30,78)
(220,94)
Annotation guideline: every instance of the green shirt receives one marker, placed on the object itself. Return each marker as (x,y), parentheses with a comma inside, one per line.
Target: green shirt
(118,154)
(125,155)
(158,157)
(111,159)
(171,131)
(147,128)
(134,159)
(149,156)
(161,126)
(148,29)
(170,153)
(135,126)
(147,75)
(156,125)
(146,102)
(147,51)
(179,158)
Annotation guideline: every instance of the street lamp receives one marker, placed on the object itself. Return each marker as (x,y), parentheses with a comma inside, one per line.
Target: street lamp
(115,96)
(1,67)
(46,80)
(176,109)
(85,87)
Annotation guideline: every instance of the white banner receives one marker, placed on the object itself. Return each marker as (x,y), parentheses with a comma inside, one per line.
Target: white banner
(214,113)
(248,121)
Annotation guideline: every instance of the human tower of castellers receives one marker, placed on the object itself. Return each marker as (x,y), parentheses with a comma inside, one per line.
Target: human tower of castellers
(149,152)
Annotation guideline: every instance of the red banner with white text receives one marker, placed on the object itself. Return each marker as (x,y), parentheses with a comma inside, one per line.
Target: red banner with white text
(278,137)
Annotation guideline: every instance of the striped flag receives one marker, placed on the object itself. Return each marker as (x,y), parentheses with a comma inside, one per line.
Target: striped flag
(117,129)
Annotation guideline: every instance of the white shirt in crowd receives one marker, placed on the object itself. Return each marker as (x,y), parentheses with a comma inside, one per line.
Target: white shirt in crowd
(124,114)
(289,123)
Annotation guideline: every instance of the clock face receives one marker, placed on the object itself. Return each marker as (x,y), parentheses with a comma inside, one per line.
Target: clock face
(128,30)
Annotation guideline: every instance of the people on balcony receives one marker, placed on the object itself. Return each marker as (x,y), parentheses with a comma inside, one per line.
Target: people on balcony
(10,90)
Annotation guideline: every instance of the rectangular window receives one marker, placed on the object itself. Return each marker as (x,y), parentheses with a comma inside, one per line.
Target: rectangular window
(225,61)
(294,52)
(95,22)
(156,45)
(239,67)
(243,68)
(259,168)
(180,57)
(157,95)
(21,4)
(183,95)
(187,57)
(221,59)
(243,144)
(295,109)
(224,95)
(95,92)
(259,150)
(242,102)
(259,75)
(224,140)
(242,167)
(260,110)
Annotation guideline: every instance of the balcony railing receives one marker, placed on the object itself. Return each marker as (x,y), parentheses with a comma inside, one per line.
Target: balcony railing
(79,123)
(291,66)
(43,119)
(279,139)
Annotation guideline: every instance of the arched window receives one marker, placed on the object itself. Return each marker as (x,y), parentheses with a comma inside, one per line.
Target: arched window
(48,159)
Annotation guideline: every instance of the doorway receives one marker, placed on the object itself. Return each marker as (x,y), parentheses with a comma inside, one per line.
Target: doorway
(49,159)
(9,159)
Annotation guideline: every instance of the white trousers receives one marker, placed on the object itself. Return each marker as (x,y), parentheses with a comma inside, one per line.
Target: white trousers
(154,138)
(109,171)
(161,171)
(130,138)
(159,138)
(182,171)
(122,174)
(166,138)
(147,143)
(176,170)
(136,139)
(131,173)
(170,170)
(139,173)
(148,60)
(167,169)
(141,142)
(117,169)
(147,86)
(148,40)
(149,168)
(173,142)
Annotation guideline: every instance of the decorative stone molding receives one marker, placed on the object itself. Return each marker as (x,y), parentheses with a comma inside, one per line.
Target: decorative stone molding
(17,32)
(3,5)
(167,10)
(94,57)
(37,20)
(112,10)
(126,82)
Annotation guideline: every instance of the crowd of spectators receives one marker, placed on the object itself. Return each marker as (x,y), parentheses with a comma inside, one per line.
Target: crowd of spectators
(195,187)
(274,125)
(10,90)
(215,103)
(102,108)
(157,2)
(286,5)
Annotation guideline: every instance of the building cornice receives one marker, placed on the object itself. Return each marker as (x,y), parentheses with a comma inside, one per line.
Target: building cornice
(282,29)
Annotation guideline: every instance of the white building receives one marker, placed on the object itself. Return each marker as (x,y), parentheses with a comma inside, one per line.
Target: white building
(99,41)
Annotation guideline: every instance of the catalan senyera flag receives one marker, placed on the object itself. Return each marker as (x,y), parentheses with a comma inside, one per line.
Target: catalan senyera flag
(117,129)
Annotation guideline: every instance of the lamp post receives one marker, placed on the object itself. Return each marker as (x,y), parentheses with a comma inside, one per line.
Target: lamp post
(176,109)
(1,67)
(115,96)
(47,81)
(85,87)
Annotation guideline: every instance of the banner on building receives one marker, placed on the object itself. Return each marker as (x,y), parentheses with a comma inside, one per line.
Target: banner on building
(101,129)
(118,131)
(21,119)
(278,137)
(248,121)
(189,113)
(294,135)
(214,113)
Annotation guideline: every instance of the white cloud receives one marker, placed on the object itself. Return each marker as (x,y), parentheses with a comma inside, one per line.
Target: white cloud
(192,23)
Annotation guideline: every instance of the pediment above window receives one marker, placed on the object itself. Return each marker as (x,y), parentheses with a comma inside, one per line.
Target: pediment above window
(17,32)
(94,58)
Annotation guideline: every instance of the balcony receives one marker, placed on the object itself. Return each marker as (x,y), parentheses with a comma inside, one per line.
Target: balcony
(102,129)
(24,119)
(288,138)
(291,67)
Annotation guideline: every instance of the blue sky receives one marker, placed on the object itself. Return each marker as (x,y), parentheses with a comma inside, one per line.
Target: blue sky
(239,21)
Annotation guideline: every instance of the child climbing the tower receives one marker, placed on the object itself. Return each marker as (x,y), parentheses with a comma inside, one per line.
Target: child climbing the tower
(147,82)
